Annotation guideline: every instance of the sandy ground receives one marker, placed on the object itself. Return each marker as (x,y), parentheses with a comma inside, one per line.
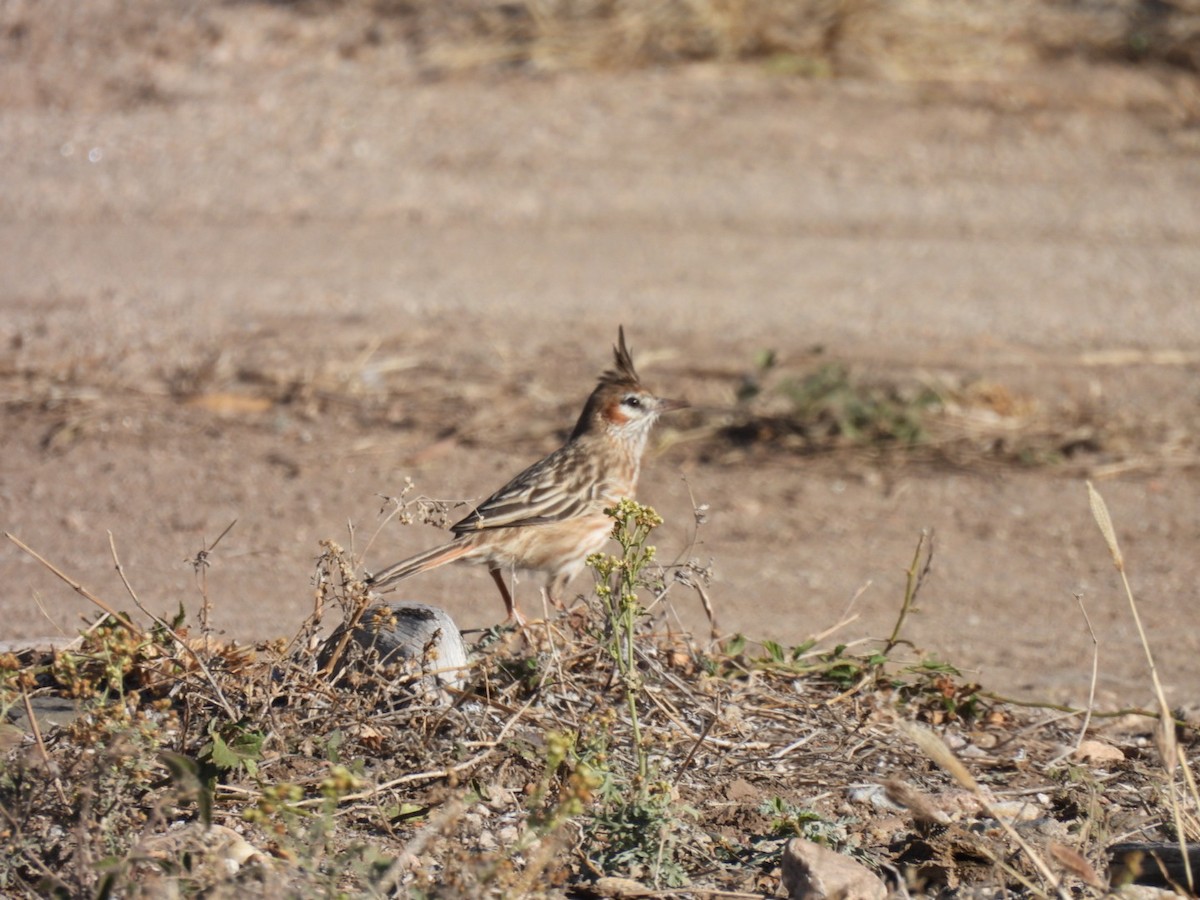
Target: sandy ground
(271,299)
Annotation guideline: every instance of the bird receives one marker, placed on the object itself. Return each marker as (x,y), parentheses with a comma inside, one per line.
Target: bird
(551,517)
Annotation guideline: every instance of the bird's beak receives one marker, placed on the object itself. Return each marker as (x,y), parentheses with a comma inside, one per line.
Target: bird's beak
(668,405)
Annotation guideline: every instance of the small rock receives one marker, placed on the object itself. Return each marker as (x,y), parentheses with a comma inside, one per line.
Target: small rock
(1098,752)
(50,712)
(223,847)
(1144,892)
(877,795)
(812,872)
(501,799)
(1017,810)
(620,887)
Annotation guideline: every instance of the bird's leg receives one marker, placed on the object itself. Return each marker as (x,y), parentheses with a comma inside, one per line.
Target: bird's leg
(553,590)
(514,614)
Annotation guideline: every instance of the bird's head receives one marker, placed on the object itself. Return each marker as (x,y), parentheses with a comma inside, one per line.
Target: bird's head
(620,406)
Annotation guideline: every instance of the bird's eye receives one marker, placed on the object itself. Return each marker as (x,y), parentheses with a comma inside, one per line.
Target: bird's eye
(632,400)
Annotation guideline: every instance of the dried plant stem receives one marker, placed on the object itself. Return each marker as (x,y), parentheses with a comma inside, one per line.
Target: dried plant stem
(935,748)
(200,564)
(1091,704)
(1104,521)
(399,510)
(79,588)
(41,745)
(458,769)
(179,641)
(1165,732)
(914,578)
(687,760)
(1066,709)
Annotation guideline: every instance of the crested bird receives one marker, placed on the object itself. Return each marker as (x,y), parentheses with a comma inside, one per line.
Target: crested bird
(551,517)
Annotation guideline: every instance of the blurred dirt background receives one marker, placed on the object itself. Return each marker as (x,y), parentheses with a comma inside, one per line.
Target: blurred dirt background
(263,261)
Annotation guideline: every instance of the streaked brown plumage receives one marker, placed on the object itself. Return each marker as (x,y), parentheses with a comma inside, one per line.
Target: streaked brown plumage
(550,518)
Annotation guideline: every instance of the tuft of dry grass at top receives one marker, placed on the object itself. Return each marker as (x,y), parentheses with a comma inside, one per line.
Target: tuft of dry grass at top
(599,743)
(123,53)
(904,40)
(948,417)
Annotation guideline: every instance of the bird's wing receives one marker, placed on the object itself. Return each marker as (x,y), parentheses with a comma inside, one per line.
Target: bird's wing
(548,491)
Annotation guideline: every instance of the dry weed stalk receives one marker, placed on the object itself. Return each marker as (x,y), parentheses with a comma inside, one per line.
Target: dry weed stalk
(200,566)
(935,748)
(1170,753)
(914,577)
(79,588)
(167,629)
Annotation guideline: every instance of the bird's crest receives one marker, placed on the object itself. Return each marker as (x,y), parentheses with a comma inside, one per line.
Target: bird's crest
(624,373)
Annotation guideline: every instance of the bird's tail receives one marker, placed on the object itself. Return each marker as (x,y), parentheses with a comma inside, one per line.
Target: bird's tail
(422,562)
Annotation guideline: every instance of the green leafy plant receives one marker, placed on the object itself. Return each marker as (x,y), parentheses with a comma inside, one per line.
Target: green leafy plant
(639,835)
(577,771)
(831,406)
(859,412)
(232,748)
(636,826)
(619,579)
(789,820)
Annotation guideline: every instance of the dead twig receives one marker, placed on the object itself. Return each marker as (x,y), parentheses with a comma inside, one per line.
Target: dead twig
(79,588)
(179,641)
(42,752)
(914,577)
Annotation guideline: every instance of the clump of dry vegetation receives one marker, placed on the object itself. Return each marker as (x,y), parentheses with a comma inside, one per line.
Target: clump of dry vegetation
(126,52)
(952,418)
(595,752)
(820,38)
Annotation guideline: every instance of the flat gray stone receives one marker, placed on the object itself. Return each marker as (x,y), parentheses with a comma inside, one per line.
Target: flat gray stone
(412,638)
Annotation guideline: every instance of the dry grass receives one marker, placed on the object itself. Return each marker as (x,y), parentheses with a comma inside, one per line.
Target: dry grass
(194,767)
(948,418)
(106,53)
(905,40)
